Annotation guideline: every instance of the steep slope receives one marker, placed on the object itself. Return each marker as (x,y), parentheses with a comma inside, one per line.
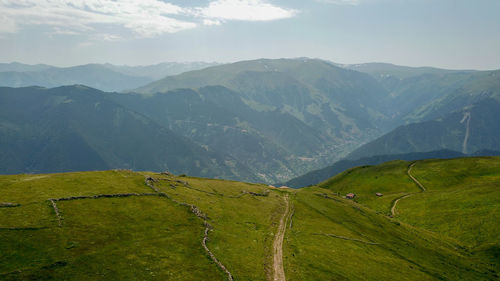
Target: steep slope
(424,93)
(124,225)
(344,105)
(77,128)
(275,144)
(473,128)
(476,87)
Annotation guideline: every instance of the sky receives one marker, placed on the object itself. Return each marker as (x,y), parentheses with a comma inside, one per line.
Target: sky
(455,34)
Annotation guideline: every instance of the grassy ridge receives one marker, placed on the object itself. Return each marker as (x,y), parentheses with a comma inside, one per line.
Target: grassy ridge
(448,232)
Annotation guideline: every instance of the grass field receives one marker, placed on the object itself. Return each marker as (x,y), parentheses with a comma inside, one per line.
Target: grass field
(447,232)
(461,200)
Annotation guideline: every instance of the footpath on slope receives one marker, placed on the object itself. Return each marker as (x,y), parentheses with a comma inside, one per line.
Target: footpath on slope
(278,269)
(413,178)
(421,186)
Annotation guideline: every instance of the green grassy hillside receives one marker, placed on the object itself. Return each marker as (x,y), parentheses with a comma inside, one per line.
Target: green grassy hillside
(459,199)
(123,225)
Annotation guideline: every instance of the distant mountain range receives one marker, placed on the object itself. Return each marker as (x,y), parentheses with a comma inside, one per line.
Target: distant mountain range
(106,77)
(262,120)
(76,128)
(385,70)
(289,116)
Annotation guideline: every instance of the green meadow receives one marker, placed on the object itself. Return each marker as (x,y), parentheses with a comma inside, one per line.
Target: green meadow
(124,225)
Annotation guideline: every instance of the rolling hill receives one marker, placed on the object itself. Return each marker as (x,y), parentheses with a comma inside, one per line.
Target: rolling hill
(121,224)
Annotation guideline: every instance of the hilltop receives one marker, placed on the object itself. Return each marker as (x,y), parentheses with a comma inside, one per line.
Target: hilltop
(126,225)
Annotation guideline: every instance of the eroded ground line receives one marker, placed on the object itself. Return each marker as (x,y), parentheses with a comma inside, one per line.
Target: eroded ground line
(278,268)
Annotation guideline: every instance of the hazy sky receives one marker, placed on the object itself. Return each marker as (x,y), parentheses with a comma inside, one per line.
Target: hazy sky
(441,33)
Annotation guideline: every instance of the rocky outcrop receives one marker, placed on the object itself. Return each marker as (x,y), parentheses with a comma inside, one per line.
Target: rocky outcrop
(150,182)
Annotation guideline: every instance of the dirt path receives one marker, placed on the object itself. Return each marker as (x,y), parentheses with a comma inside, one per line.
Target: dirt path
(278,269)
(393,209)
(413,178)
(421,186)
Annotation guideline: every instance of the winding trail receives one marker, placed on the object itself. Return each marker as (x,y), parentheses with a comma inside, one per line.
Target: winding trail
(413,178)
(278,269)
(421,186)
(393,209)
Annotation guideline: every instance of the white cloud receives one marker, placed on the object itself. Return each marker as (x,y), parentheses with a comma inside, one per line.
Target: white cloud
(106,37)
(145,18)
(211,22)
(246,10)
(340,2)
